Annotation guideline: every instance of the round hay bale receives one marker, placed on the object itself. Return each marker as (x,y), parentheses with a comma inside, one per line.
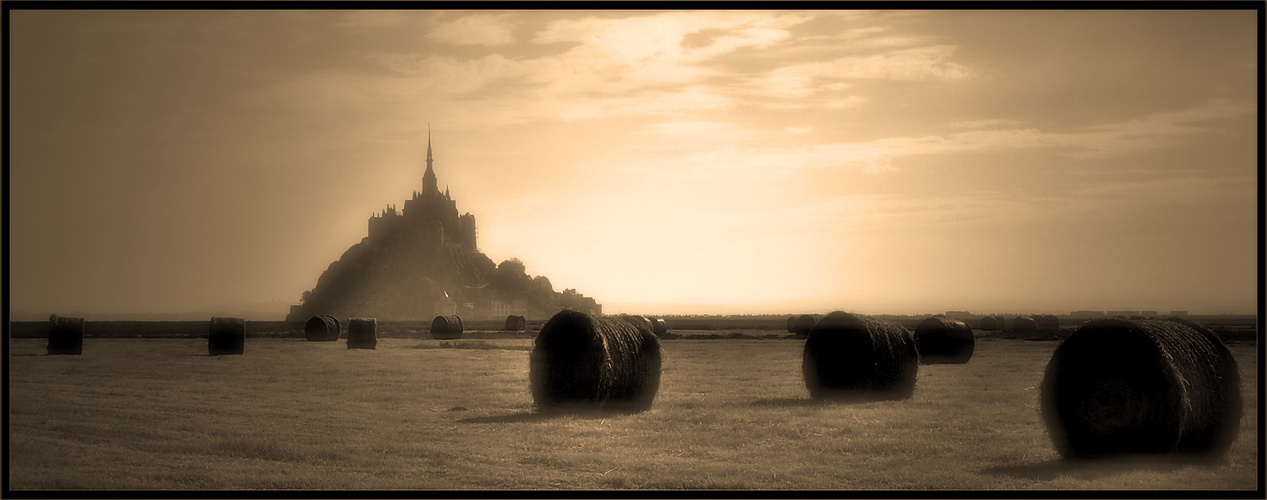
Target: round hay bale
(857,357)
(227,336)
(637,320)
(659,326)
(1002,322)
(588,361)
(1024,324)
(1046,323)
(514,323)
(1149,386)
(942,340)
(805,323)
(362,333)
(446,327)
(65,335)
(323,328)
(990,323)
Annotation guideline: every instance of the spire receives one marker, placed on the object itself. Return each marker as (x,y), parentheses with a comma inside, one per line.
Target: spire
(429,177)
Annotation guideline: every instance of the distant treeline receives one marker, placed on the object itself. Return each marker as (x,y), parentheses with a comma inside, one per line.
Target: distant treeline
(1230,327)
(256,329)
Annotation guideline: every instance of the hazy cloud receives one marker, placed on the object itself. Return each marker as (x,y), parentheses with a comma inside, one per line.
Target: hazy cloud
(364,20)
(978,124)
(477,29)
(921,63)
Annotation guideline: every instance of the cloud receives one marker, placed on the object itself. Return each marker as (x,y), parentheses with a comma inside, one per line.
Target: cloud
(920,63)
(1155,131)
(639,51)
(477,29)
(365,20)
(451,76)
(667,64)
(979,124)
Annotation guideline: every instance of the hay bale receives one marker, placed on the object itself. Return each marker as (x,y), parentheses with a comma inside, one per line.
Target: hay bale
(791,324)
(1024,324)
(324,328)
(990,323)
(362,333)
(588,361)
(226,336)
(941,340)
(1002,322)
(514,323)
(65,335)
(857,357)
(1046,323)
(805,323)
(659,326)
(1148,386)
(639,321)
(446,327)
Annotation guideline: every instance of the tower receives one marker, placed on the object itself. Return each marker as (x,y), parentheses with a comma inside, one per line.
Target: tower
(429,177)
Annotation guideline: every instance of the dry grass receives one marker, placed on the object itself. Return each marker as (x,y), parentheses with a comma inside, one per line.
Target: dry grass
(290,414)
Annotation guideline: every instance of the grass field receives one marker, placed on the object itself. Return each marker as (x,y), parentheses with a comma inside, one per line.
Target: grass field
(424,414)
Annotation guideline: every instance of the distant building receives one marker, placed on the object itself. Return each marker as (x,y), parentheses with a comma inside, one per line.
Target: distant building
(422,261)
(577,302)
(506,307)
(1124,313)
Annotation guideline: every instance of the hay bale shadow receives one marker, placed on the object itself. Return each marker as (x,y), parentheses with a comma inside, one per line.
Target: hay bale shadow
(828,400)
(1097,468)
(789,402)
(550,414)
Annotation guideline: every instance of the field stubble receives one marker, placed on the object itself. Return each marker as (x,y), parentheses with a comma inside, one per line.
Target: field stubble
(421,414)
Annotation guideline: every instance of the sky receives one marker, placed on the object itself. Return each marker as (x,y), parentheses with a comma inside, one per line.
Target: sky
(708,162)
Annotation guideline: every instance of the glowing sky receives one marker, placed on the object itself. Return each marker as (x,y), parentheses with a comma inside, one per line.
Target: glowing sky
(662,162)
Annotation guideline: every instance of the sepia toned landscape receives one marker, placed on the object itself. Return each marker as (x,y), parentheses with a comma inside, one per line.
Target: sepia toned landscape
(430,414)
(800,252)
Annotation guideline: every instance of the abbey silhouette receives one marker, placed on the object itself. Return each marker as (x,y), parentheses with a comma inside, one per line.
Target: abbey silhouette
(421,262)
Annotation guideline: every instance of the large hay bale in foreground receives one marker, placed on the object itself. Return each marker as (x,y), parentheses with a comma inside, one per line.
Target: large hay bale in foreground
(362,333)
(1148,386)
(514,323)
(446,327)
(805,323)
(642,322)
(226,336)
(989,323)
(942,340)
(857,357)
(323,328)
(791,324)
(583,360)
(65,335)
(1024,324)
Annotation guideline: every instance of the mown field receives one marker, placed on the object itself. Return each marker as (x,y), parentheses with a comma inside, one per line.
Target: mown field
(416,414)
